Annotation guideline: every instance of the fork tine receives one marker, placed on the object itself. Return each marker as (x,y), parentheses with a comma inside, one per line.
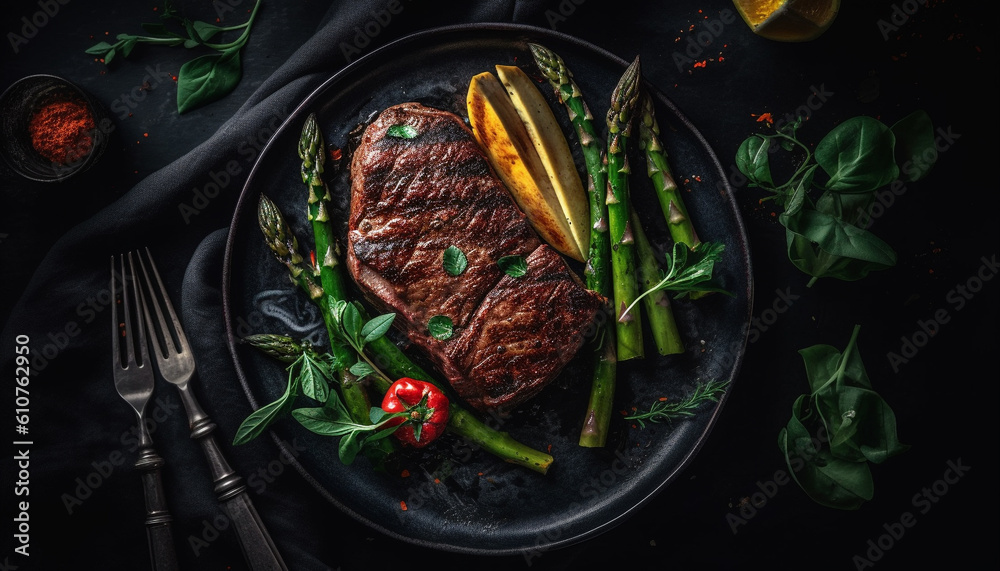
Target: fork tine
(140,309)
(174,330)
(124,329)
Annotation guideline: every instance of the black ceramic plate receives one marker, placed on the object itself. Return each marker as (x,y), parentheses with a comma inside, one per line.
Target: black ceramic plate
(460,499)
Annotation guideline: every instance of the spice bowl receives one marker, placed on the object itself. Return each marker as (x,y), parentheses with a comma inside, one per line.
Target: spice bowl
(51,129)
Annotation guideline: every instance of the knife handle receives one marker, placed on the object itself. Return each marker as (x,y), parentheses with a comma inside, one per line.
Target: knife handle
(162,552)
(259,549)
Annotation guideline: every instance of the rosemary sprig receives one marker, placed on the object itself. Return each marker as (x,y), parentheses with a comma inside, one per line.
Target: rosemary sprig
(665,411)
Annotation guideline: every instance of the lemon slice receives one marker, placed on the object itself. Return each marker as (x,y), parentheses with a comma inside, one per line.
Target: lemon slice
(788,20)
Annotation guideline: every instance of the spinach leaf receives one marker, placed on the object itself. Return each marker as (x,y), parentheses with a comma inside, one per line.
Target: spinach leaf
(858,155)
(752,160)
(837,429)
(207,78)
(828,236)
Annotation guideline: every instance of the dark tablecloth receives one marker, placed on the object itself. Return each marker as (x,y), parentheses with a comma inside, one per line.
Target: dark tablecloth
(937,309)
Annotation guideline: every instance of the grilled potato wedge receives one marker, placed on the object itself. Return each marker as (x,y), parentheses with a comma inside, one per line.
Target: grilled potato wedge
(553,149)
(502,134)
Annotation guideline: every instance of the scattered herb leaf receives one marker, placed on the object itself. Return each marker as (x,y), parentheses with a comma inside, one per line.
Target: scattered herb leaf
(689,270)
(205,78)
(454,261)
(513,266)
(441,327)
(401,131)
(333,419)
(666,411)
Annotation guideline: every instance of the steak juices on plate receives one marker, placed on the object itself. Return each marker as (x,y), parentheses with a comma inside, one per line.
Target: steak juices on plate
(419,184)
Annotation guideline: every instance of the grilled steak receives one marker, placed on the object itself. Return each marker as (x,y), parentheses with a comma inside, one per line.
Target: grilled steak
(415,191)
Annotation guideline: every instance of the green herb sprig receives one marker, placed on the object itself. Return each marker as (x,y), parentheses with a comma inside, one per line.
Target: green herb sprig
(689,270)
(311,374)
(827,235)
(205,78)
(667,411)
(837,429)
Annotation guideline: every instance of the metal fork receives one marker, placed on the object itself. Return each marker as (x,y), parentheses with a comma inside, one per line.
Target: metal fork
(134,382)
(176,364)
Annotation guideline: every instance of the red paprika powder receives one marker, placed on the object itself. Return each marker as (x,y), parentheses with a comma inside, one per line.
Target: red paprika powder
(62,131)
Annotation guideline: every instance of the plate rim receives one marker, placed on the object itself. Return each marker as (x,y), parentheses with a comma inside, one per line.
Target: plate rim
(307,102)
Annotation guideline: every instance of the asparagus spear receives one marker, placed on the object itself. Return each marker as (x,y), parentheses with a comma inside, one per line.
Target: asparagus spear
(597,274)
(658,169)
(284,246)
(389,357)
(659,312)
(312,151)
(623,257)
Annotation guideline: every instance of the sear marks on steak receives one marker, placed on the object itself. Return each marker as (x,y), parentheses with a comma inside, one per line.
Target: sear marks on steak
(412,198)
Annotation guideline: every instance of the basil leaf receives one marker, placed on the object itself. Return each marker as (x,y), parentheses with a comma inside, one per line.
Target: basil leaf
(376,327)
(258,421)
(401,131)
(752,160)
(350,322)
(454,261)
(858,155)
(440,327)
(361,369)
(207,78)
(314,378)
(323,421)
(513,266)
(915,152)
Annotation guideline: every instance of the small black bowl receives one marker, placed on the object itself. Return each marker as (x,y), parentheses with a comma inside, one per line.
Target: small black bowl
(21,101)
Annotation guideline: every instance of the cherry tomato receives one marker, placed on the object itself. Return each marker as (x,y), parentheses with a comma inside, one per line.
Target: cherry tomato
(427,409)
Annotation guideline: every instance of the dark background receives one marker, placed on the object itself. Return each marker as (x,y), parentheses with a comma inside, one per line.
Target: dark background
(941,58)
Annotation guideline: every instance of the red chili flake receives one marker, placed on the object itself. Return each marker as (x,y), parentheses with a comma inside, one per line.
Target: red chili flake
(765,117)
(145,135)
(312,257)
(335,154)
(173,77)
(548,448)
(405,473)
(437,481)
(697,178)
(663,399)
(402,505)
(701,63)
